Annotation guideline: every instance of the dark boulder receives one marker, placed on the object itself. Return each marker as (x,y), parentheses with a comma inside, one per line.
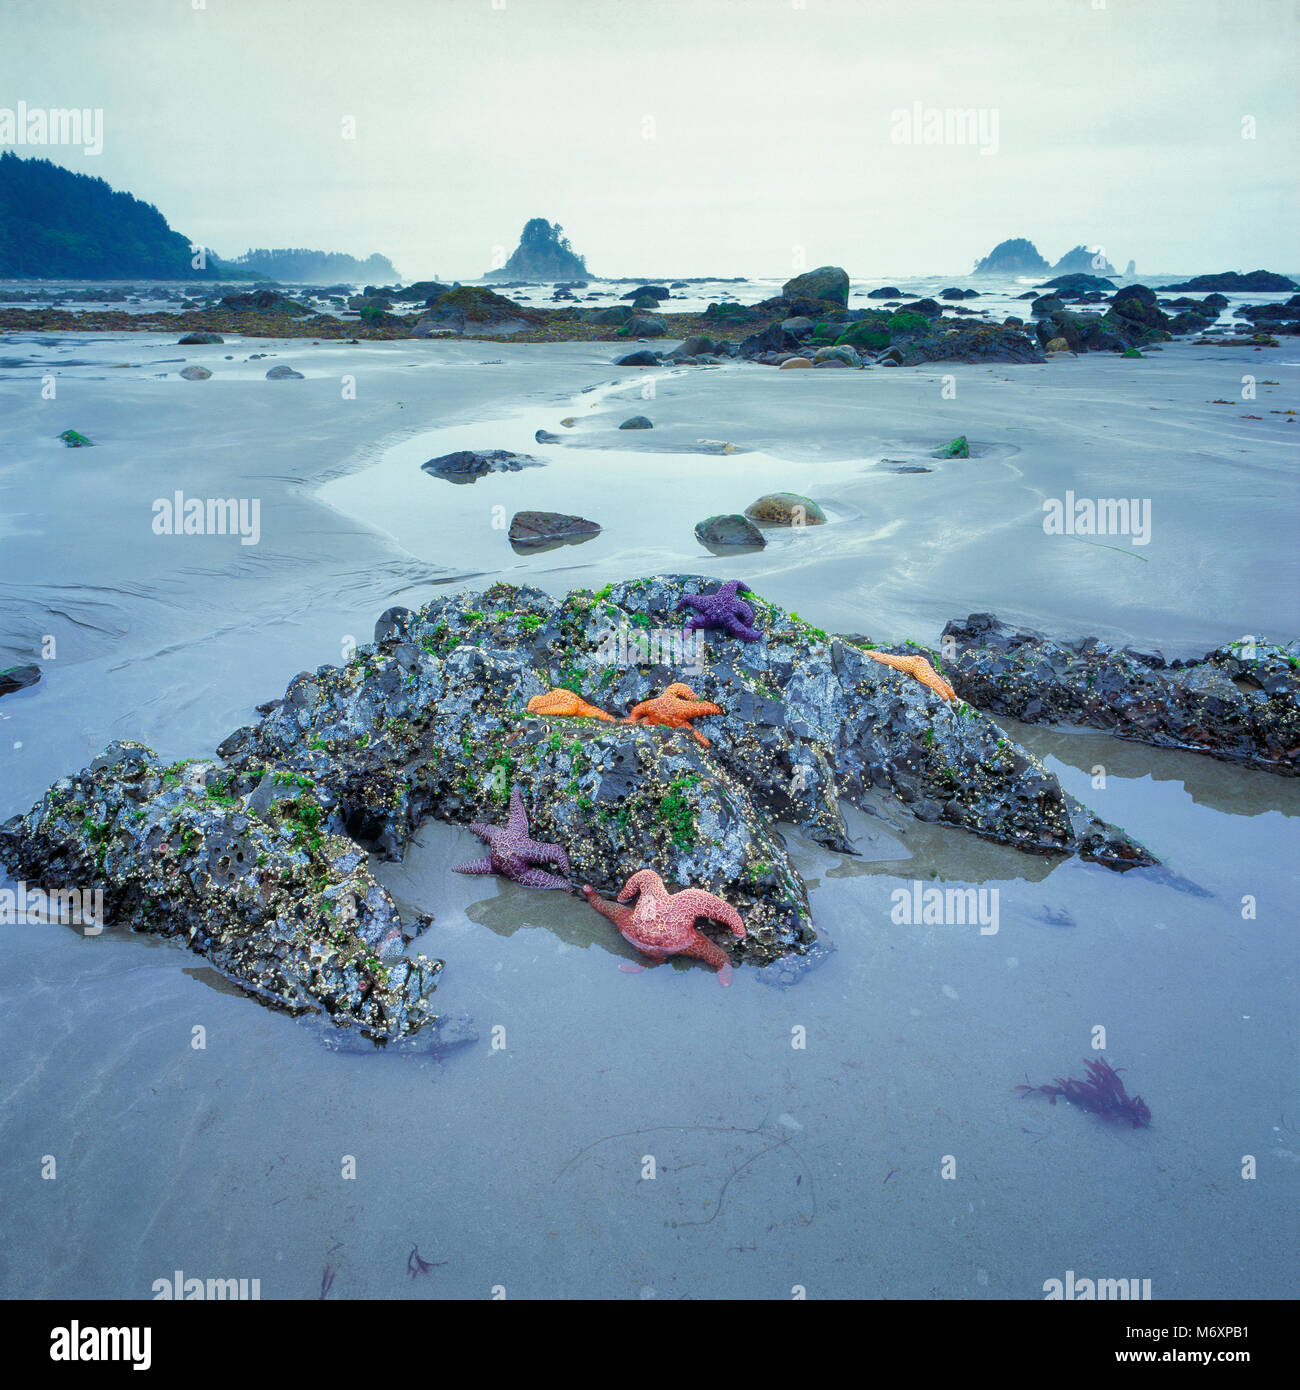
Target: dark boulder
(728,530)
(530,530)
(18,678)
(827,282)
(468,465)
(1232,282)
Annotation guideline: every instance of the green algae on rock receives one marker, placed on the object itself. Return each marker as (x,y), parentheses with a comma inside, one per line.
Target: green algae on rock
(241,867)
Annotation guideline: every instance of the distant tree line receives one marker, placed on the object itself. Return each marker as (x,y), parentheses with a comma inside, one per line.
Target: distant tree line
(55,224)
(301,265)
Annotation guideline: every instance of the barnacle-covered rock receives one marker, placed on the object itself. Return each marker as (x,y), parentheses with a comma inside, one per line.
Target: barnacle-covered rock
(1239,703)
(282,908)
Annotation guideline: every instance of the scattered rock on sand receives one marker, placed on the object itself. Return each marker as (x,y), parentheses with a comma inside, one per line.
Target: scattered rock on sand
(637,422)
(195,373)
(195,339)
(18,678)
(958,449)
(843,353)
(795,362)
(75,440)
(1057,345)
(468,465)
(530,529)
(643,328)
(786,509)
(732,529)
(283,374)
(643,357)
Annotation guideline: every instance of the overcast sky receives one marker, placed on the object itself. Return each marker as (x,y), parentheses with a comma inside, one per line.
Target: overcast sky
(687,137)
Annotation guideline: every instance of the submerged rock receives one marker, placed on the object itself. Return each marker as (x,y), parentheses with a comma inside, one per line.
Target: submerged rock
(637,422)
(283,374)
(1239,703)
(195,373)
(195,339)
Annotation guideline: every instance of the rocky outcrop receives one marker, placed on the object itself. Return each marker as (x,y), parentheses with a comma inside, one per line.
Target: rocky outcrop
(1233,282)
(1239,703)
(260,863)
(477,311)
(1083,260)
(1014,257)
(543,253)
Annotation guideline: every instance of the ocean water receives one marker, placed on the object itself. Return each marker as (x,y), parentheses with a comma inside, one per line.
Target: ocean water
(653,1135)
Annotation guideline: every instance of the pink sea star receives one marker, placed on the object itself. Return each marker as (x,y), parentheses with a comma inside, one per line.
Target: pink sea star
(662,924)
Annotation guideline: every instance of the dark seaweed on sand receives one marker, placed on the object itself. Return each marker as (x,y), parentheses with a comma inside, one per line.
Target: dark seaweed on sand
(1102,1093)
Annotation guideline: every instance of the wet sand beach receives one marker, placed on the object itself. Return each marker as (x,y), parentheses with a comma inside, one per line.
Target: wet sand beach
(799,1135)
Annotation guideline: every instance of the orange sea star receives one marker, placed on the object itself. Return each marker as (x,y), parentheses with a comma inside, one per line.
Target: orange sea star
(918,667)
(676,707)
(563,701)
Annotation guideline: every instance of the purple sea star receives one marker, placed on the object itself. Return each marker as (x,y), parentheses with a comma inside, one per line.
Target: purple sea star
(510,851)
(722,610)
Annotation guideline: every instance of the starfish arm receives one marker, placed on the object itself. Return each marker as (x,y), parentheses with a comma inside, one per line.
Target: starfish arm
(475,866)
(703,949)
(518,822)
(484,832)
(644,881)
(620,916)
(689,601)
(702,904)
(538,878)
(544,854)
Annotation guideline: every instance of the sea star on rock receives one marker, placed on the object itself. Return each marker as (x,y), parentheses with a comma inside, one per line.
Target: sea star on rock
(662,924)
(511,851)
(561,701)
(676,707)
(918,667)
(722,610)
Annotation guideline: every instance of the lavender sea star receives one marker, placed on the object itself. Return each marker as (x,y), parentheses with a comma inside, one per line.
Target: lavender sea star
(722,610)
(511,852)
